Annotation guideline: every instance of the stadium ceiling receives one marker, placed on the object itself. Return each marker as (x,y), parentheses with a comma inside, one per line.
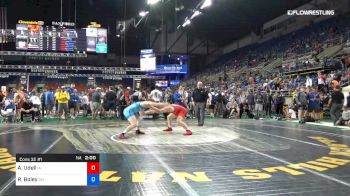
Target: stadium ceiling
(229,20)
(223,22)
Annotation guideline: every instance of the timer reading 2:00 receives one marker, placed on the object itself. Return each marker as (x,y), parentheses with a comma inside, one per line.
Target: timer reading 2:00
(90,158)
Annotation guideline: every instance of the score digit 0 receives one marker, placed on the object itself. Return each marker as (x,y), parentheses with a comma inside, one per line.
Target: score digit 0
(93,167)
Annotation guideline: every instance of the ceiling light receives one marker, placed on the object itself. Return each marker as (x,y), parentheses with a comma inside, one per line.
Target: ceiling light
(143,13)
(151,2)
(206,3)
(181,7)
(195,14)
(187,22)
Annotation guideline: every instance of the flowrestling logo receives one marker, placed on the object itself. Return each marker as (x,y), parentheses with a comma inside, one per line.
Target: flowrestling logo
(310,12)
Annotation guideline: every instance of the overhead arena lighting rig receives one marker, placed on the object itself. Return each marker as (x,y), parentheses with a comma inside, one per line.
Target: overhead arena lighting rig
(196,12)
(122,26)
(152,2)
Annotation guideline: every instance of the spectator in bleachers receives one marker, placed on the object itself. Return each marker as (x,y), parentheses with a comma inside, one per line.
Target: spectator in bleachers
(298,81)
(308,82)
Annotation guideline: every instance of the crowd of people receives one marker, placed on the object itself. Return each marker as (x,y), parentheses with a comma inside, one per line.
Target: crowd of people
(308,41)
(63,102)
(305,100)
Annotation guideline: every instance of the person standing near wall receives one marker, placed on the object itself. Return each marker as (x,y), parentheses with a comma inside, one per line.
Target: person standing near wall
(178,97)
(63,99)
(301,100)
(259,102)
(336,103)
(96,102)
(268,104)
(156,95)
(43,104)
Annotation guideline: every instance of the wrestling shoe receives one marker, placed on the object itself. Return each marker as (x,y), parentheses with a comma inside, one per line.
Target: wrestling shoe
(168,129)
(188,132)
(122,136)
(138,132)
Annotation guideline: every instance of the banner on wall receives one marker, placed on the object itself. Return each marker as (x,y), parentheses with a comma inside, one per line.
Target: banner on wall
(171,69)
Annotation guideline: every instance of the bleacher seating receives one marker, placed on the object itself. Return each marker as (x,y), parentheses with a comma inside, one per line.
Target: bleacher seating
(323,39)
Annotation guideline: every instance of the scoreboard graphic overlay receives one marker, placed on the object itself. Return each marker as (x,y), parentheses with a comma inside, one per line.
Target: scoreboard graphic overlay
(57,170)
